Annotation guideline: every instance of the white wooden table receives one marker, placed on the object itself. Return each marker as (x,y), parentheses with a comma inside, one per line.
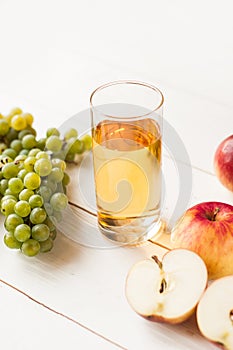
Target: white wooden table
(52,55)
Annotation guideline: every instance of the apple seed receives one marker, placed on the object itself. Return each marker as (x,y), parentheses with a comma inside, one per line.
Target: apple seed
(163,286)
(231,315)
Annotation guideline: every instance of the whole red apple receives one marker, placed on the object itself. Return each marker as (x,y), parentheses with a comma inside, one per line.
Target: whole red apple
(223,162)
(207,229)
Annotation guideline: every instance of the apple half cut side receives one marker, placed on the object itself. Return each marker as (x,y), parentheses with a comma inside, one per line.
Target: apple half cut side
(215,312)
(167,291)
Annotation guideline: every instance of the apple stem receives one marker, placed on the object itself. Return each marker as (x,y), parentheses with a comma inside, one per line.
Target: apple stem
(158,262)
(215,214)
(163,285)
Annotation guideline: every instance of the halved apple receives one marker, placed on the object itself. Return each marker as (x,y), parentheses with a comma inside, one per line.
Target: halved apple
(215,312)
(167,291)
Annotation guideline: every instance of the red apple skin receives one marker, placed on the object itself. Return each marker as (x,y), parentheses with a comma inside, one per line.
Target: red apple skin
(223,162)
(207,229)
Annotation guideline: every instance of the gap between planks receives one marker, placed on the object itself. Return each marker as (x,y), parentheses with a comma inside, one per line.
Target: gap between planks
(62,315)
(162,241)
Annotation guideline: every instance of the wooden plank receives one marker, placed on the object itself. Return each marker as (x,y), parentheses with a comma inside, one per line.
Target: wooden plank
(26,324)
(87,285)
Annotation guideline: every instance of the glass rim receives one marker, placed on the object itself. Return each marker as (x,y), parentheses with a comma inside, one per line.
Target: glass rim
(122,82)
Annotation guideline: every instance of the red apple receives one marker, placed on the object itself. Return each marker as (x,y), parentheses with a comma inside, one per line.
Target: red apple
(223,162)
(207,229)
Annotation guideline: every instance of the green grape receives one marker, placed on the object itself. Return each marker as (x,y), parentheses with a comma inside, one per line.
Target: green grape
(32,181)
(10,170)
(8,196)
(66,179)
(5,160)
(58,215)
(29,141)
(29,118)
(4,127)
(46,246)
(32,130)
(56,175)
(25,194)
(48,208)
(70,134)
(3,186)
(29,163)
(45,193)
(20,165)
(20,158)
(1,176)
(70,157)
(58,201)
(42,154)
(38,215)
(87,141)
(52,131)
(43,167)
(50,224)
(53,143)
(22,232)
(18,122)
(76,147)
(33,152)
(22,173)
(10,152)
(61,154)
(36,201)
(22,208)
(11,135)
(54,220)
(3,146)
(53,235)
(12,221)
(59,187)
(23,133)
(41,143)
(31,247)
(11,242)
(24,152)
(51,184)
(59,163)
(9,192)
(15,185)
(7,206)
(16,145)
(40,232)
(20,161)
(15,110)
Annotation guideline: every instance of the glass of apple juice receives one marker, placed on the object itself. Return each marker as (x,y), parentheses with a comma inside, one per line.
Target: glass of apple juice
(126,133)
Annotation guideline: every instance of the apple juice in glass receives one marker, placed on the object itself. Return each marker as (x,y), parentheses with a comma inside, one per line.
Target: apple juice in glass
(126,133)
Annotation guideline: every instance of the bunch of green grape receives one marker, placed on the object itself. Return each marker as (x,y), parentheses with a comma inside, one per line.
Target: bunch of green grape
(33,180)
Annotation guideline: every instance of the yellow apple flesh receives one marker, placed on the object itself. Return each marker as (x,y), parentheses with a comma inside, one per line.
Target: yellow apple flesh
(215,312)
(167,291)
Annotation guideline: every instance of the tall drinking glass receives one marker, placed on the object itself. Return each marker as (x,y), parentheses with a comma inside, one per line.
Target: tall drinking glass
(126,132)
